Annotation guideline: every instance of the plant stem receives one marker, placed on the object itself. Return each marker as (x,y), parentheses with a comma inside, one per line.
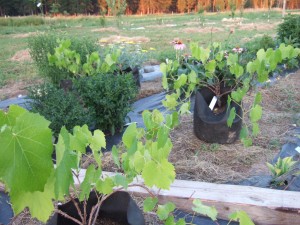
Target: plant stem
(68,217)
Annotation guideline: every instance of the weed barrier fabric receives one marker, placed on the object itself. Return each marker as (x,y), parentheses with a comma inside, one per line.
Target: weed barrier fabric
(6,212)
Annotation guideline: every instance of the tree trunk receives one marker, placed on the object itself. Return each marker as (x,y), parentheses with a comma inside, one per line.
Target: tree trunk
(283,8)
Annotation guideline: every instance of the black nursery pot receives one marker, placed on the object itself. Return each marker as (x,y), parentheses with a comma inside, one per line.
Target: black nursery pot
(119,207)
(211,127)
(6,212)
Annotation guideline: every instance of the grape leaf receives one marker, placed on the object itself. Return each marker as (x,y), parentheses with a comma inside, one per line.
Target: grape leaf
(39,203)
(149,204)
(121,180)
(181,80)
(211,212)
(129,138)
(231,117)
(105,186)
(26,149)
(139,161)
(171,101)
(159,174)
(91,177)
(163,211)
(258,98)
(242,217)
(66,159)
(9,118)
(255,129)
(170,220)
(247,142)
(255,113)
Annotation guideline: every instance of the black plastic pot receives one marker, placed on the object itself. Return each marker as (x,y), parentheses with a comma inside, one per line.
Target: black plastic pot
(119,207)
(211,127)
(6,212)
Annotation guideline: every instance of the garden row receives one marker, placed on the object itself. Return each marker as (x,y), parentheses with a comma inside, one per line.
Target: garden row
(94,89)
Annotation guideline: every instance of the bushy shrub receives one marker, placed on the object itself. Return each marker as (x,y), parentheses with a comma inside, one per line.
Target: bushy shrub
(42,44)
(290,29)
(110,96)
(59,107)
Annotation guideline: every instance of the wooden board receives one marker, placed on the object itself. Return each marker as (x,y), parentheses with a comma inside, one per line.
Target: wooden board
(264,206)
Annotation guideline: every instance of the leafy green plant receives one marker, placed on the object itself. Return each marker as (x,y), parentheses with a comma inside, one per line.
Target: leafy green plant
(213,68)
(27,142)
(290,29)
(42,44)
(60,107)
(65,58)
(110,96)
(282,167)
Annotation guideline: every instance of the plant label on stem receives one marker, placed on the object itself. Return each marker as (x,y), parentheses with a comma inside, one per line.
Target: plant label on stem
(213,103)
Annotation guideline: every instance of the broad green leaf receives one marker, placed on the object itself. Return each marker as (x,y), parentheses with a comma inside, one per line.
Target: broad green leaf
(255,129)
(97,141)
(232,59)
(255,113)
(171,101)
(120,180)
(39,203)
(138,161)
(231,117)
(115,155)
(91,177)
(247,142)
(192,77)
(244,132)
(9,118)
(26,149)
(211,212)
(242,217)
(170,220)
(79,139)
(66,160)
(185,108)
(204,54)
(147,118)
(109,60)
(172,120)
(162,136)
(163,211)
(105,186)
(157,116)
(159,174)
(261,55)
(237,95)
(181,80)
(258,98)
(211,66)
(129,136)
(149,204)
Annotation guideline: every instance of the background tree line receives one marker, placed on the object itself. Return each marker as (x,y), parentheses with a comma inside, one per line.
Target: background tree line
(115,7)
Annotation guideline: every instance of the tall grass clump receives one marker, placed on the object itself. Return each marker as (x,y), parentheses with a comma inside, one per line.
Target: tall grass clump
(42,44)
(289,30)
(22,21)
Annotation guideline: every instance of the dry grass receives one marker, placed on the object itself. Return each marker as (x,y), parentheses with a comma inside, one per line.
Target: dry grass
(13,89)
(106,29)
(150,88)
(118,39)
(21,56)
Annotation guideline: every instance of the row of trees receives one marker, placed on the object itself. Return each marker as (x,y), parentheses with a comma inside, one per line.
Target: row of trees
(115,7)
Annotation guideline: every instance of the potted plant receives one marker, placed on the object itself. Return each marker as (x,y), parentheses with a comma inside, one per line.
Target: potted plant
(221,80)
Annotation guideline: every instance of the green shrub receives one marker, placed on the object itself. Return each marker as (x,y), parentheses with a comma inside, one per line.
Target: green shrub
(42,44)
(290,29)
(110,96)
(59,107)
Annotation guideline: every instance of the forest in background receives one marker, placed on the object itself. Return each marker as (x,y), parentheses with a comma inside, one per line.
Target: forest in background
(130,7)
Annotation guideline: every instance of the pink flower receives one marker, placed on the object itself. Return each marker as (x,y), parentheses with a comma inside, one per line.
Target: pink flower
(179,46)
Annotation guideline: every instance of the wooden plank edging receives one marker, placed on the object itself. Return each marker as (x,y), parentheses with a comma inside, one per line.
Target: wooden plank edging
(264,206)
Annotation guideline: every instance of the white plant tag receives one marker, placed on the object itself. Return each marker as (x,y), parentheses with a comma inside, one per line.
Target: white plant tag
(298,149)
(213,103)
